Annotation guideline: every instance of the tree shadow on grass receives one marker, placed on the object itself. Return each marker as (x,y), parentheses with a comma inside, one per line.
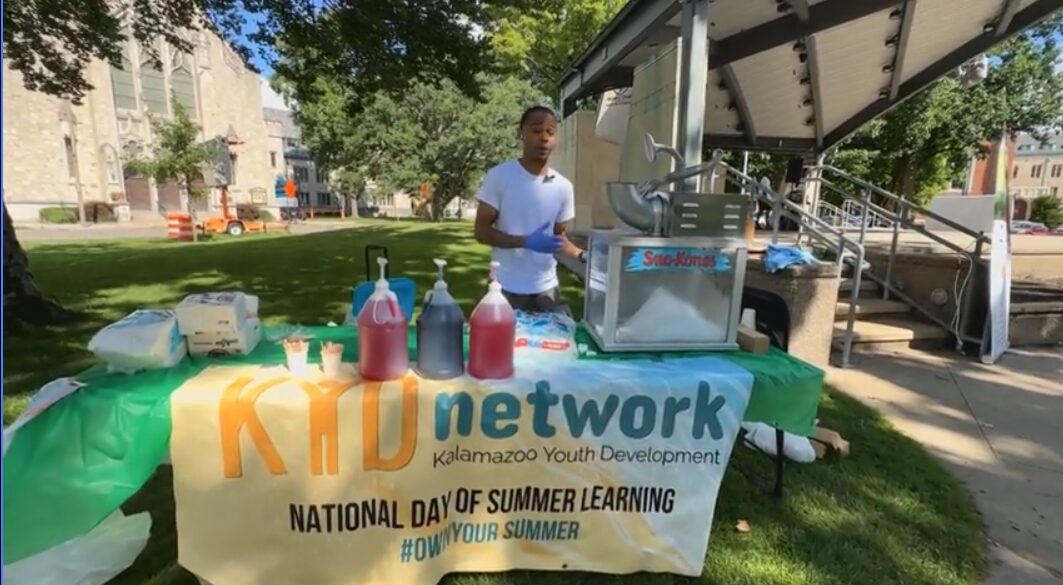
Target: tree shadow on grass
(304,279)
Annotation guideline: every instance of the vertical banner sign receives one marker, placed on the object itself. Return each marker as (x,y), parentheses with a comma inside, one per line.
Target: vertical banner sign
(583,466)
(995,338)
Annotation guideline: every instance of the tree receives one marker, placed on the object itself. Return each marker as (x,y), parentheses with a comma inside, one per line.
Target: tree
(537,40)
(1047,209)
(24,302)
(50,43)
(436,134)
(367,47)
(325,129)
(177,155)
(918,148)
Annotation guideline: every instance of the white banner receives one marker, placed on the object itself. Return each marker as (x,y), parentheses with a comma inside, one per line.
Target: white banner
(999,293)
(610,467)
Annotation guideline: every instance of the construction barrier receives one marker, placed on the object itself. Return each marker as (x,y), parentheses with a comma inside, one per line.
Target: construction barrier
(179,226)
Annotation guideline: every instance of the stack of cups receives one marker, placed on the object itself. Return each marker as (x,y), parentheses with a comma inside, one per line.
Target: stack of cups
(331,359)
(296,351)
(749,318)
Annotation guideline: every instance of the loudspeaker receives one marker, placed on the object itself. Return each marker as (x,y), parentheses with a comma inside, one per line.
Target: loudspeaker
(795,170)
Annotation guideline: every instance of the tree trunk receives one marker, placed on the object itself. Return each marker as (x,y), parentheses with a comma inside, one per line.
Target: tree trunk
(23,300)
(187,203)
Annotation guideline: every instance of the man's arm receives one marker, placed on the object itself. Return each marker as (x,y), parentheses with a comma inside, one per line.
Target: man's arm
(567,247)
(486,233)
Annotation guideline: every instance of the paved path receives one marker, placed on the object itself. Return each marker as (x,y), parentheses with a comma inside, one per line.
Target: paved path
(117,231)
(997,428)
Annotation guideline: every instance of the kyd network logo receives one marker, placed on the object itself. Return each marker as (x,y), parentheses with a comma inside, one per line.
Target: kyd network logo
(488,416)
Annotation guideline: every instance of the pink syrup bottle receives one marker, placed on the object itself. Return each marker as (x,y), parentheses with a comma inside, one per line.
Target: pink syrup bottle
(383,330)
(492,334)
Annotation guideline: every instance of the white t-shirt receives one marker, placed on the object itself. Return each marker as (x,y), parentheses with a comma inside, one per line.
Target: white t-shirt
(524,203)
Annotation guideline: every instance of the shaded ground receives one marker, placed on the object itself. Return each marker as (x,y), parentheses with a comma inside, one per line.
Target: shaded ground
(888,514)
(997,428)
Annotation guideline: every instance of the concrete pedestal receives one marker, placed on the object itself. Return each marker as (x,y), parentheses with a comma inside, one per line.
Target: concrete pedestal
(811,293)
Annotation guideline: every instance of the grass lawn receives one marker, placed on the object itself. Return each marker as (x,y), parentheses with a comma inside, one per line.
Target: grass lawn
(887,514)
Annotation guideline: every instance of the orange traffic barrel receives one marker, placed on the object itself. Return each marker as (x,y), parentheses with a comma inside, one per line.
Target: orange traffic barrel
(179,226)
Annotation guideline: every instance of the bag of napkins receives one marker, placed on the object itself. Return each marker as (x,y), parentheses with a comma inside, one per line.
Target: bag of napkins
(142,340)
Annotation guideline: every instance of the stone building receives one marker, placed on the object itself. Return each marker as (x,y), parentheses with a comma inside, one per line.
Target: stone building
(290,160)
(59,153)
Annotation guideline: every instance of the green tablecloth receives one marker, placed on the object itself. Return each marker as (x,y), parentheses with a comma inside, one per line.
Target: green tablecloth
(79,460)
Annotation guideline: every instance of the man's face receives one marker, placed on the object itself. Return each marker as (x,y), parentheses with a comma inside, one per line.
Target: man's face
(538,135)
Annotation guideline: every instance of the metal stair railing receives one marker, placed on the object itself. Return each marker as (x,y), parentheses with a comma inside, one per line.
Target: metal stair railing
(902,218)
(874,219)
(832,237)
(829,213)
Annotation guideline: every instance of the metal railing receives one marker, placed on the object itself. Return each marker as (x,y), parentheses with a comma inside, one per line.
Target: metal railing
(872,218)
(847,250)
(902,217)
(830,213)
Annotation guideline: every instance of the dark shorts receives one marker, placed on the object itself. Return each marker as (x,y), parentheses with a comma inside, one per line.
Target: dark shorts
(545,302)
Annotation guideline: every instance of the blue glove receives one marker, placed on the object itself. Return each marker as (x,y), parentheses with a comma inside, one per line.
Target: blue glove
(543,241)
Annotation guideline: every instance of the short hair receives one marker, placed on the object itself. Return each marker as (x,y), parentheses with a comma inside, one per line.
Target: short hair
(536,108)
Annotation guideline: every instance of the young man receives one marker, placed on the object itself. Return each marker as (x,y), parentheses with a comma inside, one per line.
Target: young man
(524,209)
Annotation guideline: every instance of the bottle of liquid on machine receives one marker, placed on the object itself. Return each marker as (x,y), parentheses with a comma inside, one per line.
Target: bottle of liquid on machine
(440,355)
(382,334)
(492,334)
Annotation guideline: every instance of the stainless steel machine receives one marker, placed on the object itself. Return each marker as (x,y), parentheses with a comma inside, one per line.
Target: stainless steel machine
(672,278)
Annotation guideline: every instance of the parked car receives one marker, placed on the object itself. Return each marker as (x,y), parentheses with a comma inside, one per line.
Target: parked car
(1028,227)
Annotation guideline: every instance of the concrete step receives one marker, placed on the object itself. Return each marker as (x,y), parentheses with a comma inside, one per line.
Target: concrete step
(893,331)
(866,286)
(865,307)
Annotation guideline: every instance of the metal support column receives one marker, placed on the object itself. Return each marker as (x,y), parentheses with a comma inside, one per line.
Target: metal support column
(693,76)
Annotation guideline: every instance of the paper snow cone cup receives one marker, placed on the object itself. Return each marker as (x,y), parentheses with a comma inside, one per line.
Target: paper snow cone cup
(332,359)
(296,351)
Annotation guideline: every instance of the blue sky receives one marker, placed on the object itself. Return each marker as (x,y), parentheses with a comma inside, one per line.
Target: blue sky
(251,22)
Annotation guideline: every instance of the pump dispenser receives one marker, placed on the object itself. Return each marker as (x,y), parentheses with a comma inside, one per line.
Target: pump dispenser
(440,327)
(493,333)
(382,333)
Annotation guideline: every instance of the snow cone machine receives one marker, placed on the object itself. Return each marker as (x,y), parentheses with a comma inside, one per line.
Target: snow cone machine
(670,279)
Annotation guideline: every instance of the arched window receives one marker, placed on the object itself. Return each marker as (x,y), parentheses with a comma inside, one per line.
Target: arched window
(153,81)
(182,83)
(123,86)
(110,158)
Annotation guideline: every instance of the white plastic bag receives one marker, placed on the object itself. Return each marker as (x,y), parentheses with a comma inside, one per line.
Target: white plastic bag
(542,335)
(90,559)
(48,395)
(794,448)
(142,340)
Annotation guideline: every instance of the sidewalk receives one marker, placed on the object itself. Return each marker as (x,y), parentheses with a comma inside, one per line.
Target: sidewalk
(997,428)
(105,225)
